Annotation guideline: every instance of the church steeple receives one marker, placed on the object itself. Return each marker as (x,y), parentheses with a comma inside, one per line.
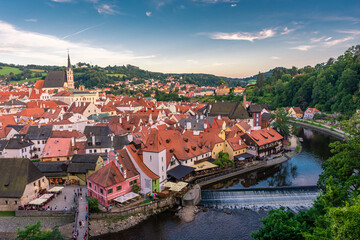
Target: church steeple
(69,74)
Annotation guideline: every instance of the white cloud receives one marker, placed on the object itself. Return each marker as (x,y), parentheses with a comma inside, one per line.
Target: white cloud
(303,47)
(23,47)
(352,32)
(266,33)
(233,5)
(148,14)
(320,39)
(287,31)
(31,20)
(106,9)
(217,1)
(337,41)
(275,58)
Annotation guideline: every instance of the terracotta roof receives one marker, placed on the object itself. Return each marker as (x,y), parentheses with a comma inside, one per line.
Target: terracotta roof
(154,143)
(78,107)
(107,176)
(67,134)
(312,110)
(57,147)
(265,136)
(32,112)
(134,154)
(125,160)
(39,84)
(235,144)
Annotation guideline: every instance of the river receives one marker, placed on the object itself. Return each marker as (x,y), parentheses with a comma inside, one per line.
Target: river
(301,170)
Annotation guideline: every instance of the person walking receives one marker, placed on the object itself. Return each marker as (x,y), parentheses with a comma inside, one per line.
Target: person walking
(65,198)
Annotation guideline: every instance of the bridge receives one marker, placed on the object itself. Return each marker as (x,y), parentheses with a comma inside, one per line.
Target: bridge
(302,196)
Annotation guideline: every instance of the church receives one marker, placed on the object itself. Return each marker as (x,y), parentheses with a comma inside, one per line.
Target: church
(57,81)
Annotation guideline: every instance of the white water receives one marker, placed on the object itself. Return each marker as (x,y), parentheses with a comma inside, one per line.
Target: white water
(295,199)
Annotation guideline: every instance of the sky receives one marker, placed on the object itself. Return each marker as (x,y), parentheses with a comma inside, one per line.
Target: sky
(233,38)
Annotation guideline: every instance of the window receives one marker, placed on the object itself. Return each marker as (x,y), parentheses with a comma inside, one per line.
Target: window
(150,158)
(90,151)
(110,191)
(118,188)
(95,187)
(43,180)
(34,184)
(38,142)
(89,184)
(162,159)
(15,202)
(6,202)
(43,142)
(106,150)
(101,191)
(58,159)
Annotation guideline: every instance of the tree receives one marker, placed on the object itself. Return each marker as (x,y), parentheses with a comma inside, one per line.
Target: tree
(282,122)
(34,232)
(135,188)
(260,80)
(280,225)
(93,205)
(223,159)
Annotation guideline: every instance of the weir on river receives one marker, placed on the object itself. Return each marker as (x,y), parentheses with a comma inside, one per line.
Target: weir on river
(292,197)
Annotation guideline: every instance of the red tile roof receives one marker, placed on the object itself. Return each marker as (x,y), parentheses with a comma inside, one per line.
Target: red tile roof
(107,176)
(265,136)
(57,147)
(125,160)
(135,155)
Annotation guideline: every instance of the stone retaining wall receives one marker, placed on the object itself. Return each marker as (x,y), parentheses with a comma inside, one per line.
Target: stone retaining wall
(322,130)
(34,213)
(160,204)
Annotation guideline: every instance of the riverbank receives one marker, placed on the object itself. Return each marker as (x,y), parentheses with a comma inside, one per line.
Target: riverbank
(323,129)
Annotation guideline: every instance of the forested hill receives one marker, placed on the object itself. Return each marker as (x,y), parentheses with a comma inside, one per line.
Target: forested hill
(95,76)
(330,87)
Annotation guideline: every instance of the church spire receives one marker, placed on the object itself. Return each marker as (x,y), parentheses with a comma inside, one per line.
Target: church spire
(69,64)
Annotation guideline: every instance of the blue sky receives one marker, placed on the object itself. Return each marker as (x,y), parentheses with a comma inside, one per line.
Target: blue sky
(234,38)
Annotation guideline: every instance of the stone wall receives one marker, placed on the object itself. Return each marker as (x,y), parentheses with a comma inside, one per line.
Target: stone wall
(160,204)
(35,213)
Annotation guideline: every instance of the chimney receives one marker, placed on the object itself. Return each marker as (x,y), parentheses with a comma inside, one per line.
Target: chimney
(124,172)
(120,120)
(240,141)
(188,125)
(219,117)
(130,137)
(112,138)
(268,128)
(73,141)
(127,118)
(93,140)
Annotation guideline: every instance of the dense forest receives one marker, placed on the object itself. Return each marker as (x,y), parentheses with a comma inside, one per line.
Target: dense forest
(330,87)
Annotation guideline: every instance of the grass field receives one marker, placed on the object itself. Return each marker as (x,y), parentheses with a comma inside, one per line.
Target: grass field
(6,70)
(36,70)
(7,213)
(28,80)
(116,75)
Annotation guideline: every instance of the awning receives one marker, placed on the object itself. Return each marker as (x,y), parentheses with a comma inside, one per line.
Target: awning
(178,187)
(145,191)
(169,184)
(56,189)
(47,196)
(126,197)
(38,201)
(203,165)
(180,171)
(243,156)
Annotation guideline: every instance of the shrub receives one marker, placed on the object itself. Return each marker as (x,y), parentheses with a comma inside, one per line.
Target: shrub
(94,205)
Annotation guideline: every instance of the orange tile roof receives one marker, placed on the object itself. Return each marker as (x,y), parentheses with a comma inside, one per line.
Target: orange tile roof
(107,176)
(265,136)
(235,144)
(134,154)
(32,112)
(57,147)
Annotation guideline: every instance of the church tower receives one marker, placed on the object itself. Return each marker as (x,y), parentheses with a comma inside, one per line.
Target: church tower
(70,75)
